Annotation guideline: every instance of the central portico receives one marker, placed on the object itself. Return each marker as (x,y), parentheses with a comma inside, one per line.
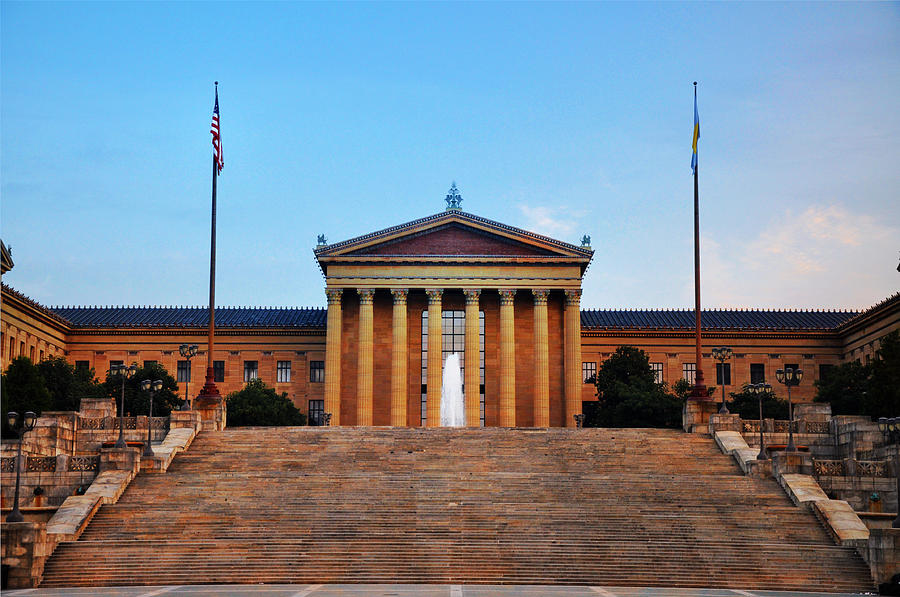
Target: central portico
(402,299)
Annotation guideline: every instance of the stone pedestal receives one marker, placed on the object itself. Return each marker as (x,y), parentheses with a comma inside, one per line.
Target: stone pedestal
(24,548)
(212,413)
(181,419)
(695,415)
(792,462)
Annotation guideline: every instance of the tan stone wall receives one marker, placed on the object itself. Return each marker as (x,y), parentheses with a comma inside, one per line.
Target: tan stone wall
(27,332)
(232,347)
(773,350)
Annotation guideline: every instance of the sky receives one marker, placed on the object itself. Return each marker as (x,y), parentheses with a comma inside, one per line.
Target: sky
(346,118)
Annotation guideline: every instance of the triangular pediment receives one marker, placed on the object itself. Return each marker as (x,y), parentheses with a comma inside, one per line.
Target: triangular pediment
(453,234)
(454,239)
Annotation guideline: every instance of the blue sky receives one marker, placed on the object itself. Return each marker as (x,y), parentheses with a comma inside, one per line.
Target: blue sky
(341,119)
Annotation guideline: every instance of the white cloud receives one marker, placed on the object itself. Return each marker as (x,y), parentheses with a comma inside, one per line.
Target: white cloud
(558,221)
(825,256)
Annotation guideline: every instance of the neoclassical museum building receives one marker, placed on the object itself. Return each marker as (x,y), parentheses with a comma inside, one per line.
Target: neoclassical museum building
(400,300)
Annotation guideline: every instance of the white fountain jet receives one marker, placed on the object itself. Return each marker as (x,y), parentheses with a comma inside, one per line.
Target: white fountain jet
(453,405)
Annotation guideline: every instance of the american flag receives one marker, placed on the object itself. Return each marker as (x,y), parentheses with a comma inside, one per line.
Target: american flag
(216,137)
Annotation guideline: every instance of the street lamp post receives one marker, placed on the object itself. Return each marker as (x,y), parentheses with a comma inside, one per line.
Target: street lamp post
(722,354)
(188,351)
(761,389)
(153,387)
(20,427)
(891,430)
(790,377)
(124,371)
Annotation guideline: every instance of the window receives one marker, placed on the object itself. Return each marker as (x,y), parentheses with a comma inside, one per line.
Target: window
(316,410)
(115,364)
(42,355)
(757,373)
(149,364)
(21,349)
(251,370)
(689,372)
(219,371)
(82,365)
(283,372)
(825,372)
(31,353)
(317,371)
(184,371)
(723,374)
(588,372)
(657,369)
(12,348)
(453,339)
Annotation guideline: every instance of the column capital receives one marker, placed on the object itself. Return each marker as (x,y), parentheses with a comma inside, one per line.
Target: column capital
(507,296)
(366,295)
(334,295)
(573,297)
(434,295)
(540,295)
(399,295)
(472,296)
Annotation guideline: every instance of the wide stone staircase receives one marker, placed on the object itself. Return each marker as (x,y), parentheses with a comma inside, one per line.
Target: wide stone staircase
(390,505)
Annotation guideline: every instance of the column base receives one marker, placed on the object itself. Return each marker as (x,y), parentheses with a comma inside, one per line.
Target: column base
(696,413)
(213,412)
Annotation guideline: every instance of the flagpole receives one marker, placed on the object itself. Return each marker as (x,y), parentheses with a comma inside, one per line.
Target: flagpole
(210,392)
(699,390)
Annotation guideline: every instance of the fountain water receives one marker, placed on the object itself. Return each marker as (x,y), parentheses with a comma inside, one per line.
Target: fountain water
(453,405)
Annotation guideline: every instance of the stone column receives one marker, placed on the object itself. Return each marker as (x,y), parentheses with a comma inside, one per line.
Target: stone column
(574,379)
(541,360)
(399,359)
(333,355)
(366,347)
(507,359)
(433,414)
(473,360)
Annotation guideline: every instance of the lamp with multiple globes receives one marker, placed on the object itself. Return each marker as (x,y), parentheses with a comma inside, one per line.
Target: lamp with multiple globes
(760,389)
(890,428)
(722,354)
(790,377)
(19,426)
(124,371)
(187,351)
(153,387)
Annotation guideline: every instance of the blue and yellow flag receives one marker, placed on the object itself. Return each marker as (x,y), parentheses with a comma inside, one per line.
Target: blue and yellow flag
(696,132)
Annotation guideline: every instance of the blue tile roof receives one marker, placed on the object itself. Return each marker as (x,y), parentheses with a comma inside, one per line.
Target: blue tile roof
(237,317)
(715,319)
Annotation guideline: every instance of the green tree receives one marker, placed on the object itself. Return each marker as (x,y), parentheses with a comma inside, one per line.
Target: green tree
(628,395)
(845,388)
(22,389)
(68,385)
(883,397)
(259,405)
(137,401)
(746,404)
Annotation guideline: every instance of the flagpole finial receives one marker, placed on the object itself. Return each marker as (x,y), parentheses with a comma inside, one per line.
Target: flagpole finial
(695,83)
(217,83)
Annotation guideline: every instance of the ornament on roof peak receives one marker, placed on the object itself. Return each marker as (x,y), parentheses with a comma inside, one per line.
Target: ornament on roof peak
(453,198)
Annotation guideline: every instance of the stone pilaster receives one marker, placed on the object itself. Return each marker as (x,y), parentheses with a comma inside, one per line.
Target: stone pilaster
(473,360)
(333,355)
(541,360)
(507,359)
(399,359)
(364,369)
(573,375)
(433,414)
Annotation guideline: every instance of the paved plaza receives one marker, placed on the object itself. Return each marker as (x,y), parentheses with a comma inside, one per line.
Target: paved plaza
(403,591)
